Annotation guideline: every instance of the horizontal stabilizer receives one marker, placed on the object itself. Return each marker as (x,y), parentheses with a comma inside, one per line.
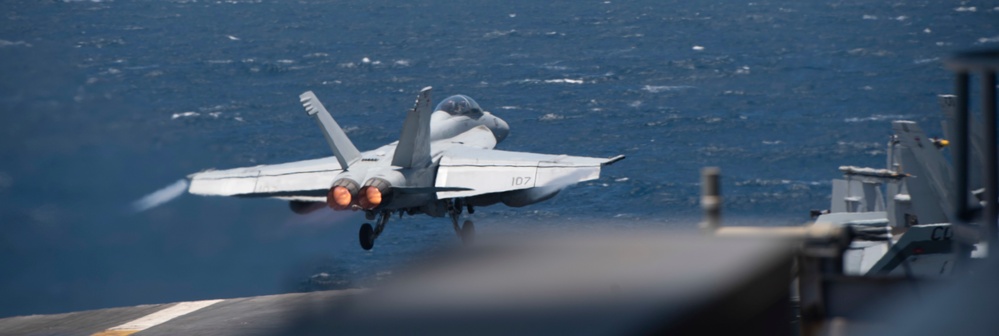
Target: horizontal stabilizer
(346,153)
(307,180)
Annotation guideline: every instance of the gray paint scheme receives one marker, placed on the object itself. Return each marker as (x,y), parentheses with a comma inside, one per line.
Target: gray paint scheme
(856,196)
(442,161)
(948,104)
(929,173)
(918,189)
(343,149)
(467,153)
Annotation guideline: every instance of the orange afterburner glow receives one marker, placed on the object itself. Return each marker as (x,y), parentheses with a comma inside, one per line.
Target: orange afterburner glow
(339,198)
(370,197)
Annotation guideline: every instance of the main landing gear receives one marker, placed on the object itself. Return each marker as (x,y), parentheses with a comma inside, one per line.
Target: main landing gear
(467,230)
(369,233)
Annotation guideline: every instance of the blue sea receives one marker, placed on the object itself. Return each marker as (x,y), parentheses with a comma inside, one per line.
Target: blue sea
(103,102)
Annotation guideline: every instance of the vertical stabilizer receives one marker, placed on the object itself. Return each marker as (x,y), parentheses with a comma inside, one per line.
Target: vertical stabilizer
(948,104)
(344,150)
(933,167)
(413,149)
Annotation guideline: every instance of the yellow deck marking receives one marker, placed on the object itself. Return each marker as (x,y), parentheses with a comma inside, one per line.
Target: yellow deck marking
(157,318)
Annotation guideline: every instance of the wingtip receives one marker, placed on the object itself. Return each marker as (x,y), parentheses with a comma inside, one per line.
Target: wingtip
(612,160)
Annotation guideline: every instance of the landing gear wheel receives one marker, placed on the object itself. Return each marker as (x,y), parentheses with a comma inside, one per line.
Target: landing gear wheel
(366,236)
(468,232)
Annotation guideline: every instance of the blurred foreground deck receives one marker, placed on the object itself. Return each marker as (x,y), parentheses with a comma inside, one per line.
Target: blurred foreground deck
(594,285)
(598,284)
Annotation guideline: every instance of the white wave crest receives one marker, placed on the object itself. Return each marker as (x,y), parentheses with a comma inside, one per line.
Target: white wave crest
(664,88)
(984,40)
(185,115)
(5,43)
(550,117)
(565,80)
(877,117)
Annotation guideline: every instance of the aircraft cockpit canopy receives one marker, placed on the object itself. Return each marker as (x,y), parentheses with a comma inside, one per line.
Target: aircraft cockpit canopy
(459,105)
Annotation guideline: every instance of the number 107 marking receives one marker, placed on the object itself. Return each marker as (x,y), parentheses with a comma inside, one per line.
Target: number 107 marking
(519,181)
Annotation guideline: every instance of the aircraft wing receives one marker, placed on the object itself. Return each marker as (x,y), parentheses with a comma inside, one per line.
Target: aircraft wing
(307,180)
(485,171)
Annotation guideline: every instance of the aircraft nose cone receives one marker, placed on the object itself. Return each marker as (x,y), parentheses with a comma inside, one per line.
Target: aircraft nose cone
(500,129)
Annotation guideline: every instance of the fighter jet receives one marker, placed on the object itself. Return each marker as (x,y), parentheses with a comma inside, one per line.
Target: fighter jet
(443,164)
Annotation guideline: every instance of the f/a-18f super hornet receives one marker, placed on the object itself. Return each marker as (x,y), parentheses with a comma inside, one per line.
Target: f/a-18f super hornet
(443,164)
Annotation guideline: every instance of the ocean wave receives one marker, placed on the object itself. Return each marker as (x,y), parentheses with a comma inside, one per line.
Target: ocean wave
(550,117)
(565,81)
(5,43)
(665,88)
(877,117)
(187,114)
(554,66)
(758,182)
(984,40)
(499,33)
(547,81)
(866,52)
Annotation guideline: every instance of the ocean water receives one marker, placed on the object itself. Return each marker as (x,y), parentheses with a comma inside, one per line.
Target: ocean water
(103,102)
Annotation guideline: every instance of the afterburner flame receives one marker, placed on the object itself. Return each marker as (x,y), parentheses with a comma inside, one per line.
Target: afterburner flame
(339,198)
(371,197)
